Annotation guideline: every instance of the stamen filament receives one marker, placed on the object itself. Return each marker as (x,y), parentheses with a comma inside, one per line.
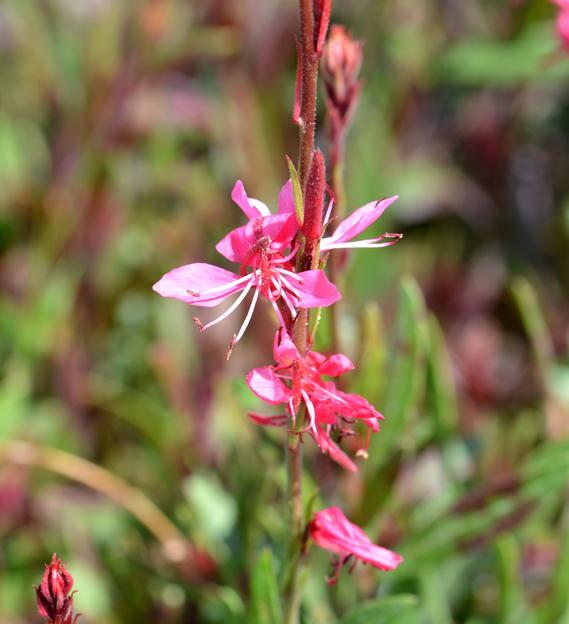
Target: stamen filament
(248,317)
(231,309)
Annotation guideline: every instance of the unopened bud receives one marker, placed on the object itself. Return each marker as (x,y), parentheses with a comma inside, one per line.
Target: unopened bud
(341,62)
(322,9)
(54,600)
(314,198)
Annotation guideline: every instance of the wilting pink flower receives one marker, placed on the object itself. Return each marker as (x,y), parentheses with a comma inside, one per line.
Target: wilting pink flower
(331,530)
(328,408)
(355,224)
(260,245)
(54,600)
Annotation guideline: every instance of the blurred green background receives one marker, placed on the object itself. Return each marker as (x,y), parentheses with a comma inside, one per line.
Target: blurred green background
(123,126)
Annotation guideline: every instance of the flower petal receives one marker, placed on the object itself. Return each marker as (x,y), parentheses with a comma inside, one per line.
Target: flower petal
(267,386)
(328,446)
(286,199)
(284,349)
(316,290)
(336,364)
(253,208)
(199,278)
(236,245)
(279,420)
(356,223)
(330,529)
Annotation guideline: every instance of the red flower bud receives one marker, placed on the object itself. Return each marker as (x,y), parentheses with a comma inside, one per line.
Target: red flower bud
(314,200)
(341,62)
(322,9)
(54,600)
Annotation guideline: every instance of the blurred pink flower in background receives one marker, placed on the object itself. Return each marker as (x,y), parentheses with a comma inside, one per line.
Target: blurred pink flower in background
(563,22)
(331,530)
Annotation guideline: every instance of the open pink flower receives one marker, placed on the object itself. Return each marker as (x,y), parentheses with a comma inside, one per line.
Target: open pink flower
(261,246)
(328,408)
(331,530)
(355,224)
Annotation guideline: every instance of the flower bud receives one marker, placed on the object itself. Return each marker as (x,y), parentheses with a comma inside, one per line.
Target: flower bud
(54,600)
(341,62)
(314,199)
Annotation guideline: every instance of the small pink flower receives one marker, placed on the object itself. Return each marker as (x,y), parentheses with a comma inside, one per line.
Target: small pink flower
(562,22)
(259,245)
(54,600)
(356,223)
(331,530)
(328,408)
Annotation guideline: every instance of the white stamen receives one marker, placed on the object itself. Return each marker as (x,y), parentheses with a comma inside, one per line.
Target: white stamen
(311,411)
(278,313)
(292,275)
(289,304)
(248,317)
(290,287)
(231,309)
(328,213)
(220,289)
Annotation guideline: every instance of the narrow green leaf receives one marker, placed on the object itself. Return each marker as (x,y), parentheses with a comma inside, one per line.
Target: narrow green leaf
(535,326)
(440,383)
(297,191)
(405,374)
(400,609)
(434,597)
(265,601)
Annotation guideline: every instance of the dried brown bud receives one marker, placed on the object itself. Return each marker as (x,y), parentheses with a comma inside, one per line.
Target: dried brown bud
(54,600)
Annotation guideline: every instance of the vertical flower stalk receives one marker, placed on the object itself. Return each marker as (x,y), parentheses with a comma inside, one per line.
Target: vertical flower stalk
(54,596)
(314,18)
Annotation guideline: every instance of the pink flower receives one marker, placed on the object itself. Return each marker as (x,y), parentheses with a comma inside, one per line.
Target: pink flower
(562,22)
(259,245)
(356,223)
(54,600)
(331,530)
(327,407)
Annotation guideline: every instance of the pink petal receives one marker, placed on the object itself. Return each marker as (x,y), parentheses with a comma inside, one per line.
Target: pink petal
(267,386)
(284,349)
(279,420)
(357,222)
(287,231)
(198,277)
(236,245)
(331,530)
(286,199)
(335,365)
(253,208)
(355,406)
(316,290)
(328,446)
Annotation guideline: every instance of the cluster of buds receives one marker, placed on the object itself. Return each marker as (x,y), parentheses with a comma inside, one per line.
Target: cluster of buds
(54,596)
